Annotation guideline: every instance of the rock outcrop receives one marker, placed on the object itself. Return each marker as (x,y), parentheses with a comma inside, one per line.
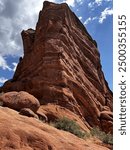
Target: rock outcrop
(61,65)
(22,133)
(54,112)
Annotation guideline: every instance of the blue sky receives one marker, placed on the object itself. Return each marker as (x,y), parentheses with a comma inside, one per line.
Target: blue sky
(96,15)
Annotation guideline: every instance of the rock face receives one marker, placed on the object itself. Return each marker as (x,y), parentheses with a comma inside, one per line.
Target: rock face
(54,112)
(61,65)
(21,133)
(106,119)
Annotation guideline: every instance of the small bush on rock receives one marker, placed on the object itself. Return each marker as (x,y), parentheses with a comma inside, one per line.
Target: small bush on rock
(105,138)
(70,126)
(1,102)
(1,93)
(108,139)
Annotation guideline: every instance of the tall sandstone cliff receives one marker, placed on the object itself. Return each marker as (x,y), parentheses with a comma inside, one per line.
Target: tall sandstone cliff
(61,65)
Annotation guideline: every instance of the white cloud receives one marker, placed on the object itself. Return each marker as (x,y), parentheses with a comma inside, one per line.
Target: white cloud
(93,4)
(2,80)
(1,6)
(3,64)
(73,2)
(70,2)
(89,20)
(104,14)
(80,18)
(90,5)
(15,17)
(80,1)
(97,3)
(14,66)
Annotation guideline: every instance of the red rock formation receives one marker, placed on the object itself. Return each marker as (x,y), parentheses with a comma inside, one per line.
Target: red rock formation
(22,133)
(54,112)
(61,65)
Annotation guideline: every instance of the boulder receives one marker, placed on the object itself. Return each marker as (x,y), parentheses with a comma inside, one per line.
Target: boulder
(19,100)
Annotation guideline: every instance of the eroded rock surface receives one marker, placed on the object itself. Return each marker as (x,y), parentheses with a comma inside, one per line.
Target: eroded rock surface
(22,133)
(61,65)
(54,112)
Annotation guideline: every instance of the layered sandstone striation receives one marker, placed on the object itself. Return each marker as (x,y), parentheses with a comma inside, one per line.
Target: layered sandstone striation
(61,65)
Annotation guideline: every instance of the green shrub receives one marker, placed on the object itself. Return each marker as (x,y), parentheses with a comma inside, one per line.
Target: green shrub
(105,138)
(1,93)
(70,126)
(108,139)
(1,102)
